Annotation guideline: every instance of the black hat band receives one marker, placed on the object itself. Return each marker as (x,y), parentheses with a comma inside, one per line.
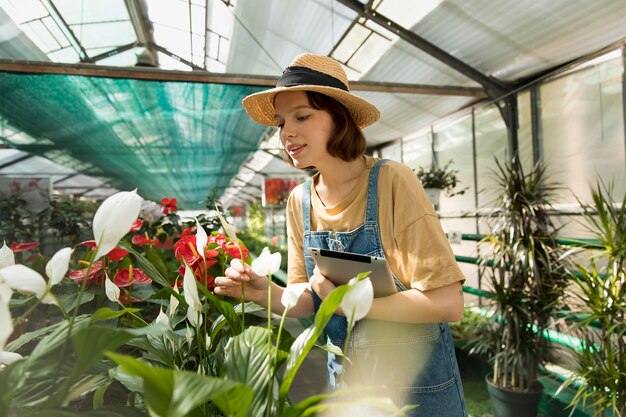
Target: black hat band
(295,76)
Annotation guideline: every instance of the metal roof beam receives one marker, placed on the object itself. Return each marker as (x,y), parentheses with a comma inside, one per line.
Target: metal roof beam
(494,87)
(155,74)
(138,12)
(71,37)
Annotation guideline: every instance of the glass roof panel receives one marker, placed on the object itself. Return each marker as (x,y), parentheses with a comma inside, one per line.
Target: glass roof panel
(91,11)
(406,13)
(23,10)
(173,39)
(39,34)
(105,34)
(54,30)
(64,55)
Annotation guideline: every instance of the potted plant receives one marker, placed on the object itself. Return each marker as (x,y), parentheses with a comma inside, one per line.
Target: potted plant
(436,179)
(599,295)
(521,262)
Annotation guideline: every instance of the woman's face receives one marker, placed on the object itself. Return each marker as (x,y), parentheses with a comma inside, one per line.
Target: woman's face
(304,131)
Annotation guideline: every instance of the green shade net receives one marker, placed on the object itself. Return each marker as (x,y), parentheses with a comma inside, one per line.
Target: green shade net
(167,139)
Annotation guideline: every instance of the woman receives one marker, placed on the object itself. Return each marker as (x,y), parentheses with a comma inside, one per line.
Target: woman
(362,205)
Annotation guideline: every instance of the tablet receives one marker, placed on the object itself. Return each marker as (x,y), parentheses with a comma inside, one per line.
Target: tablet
(340,267)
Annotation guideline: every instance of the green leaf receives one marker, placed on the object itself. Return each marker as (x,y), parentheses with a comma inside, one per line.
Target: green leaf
(98,396)
(154,256)
(226,309)
(306,340)
(170,393)
(106,313)
(248,360)
(145,265)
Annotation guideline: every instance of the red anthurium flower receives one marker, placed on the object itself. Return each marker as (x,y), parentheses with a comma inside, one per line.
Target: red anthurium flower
(220,239)
(127,276)
(179,282)
(136,225)
(115,254)
(211,254)
(168,205)
(96,275)
(21,247)
(233,250)
(140,240)
(185,249)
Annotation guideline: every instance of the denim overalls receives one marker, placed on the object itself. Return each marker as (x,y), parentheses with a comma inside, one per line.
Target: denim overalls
(411,363)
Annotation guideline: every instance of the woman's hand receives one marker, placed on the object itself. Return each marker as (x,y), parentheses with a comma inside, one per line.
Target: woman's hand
(238,276)
(320,284)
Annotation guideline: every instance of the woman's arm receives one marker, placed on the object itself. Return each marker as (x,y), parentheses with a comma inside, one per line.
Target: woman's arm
(444,304)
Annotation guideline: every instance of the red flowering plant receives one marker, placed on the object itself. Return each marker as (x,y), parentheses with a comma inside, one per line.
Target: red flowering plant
(218,253)
(117,264)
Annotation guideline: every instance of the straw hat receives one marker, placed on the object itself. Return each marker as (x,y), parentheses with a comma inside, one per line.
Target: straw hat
(310,72)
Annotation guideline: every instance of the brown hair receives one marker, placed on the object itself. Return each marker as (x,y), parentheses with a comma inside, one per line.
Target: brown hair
(347,142)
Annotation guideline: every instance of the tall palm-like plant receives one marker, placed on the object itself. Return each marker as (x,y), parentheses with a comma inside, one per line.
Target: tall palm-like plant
(601,295)
(527,279)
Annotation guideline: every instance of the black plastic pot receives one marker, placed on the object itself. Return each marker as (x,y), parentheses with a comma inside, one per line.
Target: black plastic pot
(507,403)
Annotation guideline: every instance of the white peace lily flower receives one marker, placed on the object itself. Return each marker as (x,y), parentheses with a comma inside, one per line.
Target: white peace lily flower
(113,220)
(7,258)
(266,263)
(190,290)
(57,266)
(23,279)
(207,341)
(7,358)
(201,238)
(6,323)
(188,336)
(358,300)
(194,317)
(112,291)
(228,228)
(173,300)
(292,293)
(162,318)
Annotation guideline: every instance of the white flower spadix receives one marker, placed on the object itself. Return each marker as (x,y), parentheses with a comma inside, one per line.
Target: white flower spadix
(113,220)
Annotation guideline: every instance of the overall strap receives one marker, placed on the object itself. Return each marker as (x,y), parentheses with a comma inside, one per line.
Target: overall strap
(306,206)
(371,208)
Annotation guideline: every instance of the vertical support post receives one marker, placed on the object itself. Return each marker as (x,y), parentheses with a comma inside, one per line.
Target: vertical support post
(434,161)
(536,123)
(624,95)
(510,116)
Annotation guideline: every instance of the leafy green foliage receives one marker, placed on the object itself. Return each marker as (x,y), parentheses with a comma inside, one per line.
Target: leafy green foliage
(527,274)
(443,178)
(601,296)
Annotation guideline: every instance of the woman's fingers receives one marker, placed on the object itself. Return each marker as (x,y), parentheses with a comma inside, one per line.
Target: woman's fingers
(226,282)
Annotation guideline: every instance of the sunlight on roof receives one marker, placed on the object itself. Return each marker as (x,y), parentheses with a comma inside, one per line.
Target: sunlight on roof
(367,41)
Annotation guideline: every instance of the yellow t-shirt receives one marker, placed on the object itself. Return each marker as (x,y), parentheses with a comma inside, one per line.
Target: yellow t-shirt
(414,243)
